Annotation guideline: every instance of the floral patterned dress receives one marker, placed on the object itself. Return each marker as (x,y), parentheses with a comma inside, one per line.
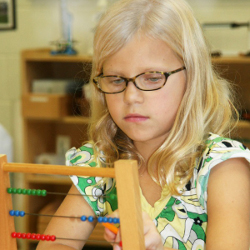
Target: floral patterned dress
(181,220)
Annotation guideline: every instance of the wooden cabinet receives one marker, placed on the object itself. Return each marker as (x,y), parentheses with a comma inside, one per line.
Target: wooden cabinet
(46,116)
(237,70)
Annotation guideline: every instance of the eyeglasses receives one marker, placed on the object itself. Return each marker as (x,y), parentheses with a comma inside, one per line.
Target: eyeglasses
(148,81)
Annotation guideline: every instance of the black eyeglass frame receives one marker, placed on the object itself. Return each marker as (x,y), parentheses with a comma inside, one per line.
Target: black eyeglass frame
(127,80)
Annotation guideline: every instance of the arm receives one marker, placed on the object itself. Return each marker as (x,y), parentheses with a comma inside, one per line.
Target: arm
(69,228)
(229,206)
(153,239)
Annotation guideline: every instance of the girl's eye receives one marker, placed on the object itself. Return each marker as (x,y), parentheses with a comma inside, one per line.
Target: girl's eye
(154,78)
(115,80)
(118,81)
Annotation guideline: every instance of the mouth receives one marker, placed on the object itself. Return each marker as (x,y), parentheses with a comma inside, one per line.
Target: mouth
(135,118)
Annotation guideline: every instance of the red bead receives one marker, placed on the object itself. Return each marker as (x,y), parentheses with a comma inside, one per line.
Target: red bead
(52,237)
(47,237)
(43,237)
(120,243)
(18,235)
(38,236)
(24,235)
(33,236)
(28,235)
(13,235)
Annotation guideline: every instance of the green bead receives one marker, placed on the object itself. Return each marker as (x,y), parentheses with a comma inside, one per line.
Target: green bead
(24,191)
(28,191)
(38,192)
(33,192)
(19,190)
(9,190)
(44,192)
(113,196)
(14,190)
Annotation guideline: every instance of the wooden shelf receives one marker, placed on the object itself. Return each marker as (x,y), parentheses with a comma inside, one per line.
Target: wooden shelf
(243,124)
(231,60)
(75,120)
(43,55)
(65,120)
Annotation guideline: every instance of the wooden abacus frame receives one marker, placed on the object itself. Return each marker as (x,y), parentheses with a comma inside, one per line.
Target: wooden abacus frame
(127,183)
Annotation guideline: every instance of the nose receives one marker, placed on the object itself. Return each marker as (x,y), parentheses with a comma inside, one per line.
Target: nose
(132,94)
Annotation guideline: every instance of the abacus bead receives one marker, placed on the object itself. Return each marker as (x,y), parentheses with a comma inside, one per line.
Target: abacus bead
(9,190)
(90,218)
(13,235)
(43,237)
(52,237)
(83,218)
(24,191)
(105,219)
(110,220)
(28,191)
(33,236)
(38,236)
(17,213)
(47,237)
(44,193)
(21,213)
(33,192)
(19,191)
(23,235)
(28,235)
(14,191)
(12,212)
(100,219)
(116,220)
(18,235)
(38,192)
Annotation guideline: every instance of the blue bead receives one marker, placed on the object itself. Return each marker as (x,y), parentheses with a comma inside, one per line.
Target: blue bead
(100,219)
(12,212)
(110,220)
(17,213)
(22,213)
(116,220)
(83,218)
(90,218)
(105,219)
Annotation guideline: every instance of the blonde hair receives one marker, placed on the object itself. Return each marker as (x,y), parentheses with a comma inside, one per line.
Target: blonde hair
(206,105)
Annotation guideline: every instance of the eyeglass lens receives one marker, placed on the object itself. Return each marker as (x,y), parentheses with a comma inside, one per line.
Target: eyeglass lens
(147,81)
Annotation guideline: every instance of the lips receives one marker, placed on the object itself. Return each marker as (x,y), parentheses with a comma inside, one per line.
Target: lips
(135,118)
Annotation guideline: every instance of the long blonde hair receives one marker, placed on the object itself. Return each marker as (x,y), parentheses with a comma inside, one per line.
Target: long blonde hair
(206,105)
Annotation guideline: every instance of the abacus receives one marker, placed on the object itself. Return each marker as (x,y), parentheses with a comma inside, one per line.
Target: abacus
(127,183)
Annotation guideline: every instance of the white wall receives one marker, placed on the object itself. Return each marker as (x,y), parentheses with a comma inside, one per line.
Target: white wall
(228,41)
(38,23)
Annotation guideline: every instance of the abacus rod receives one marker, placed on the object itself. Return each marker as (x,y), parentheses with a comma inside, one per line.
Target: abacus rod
(58,170)
(64,194)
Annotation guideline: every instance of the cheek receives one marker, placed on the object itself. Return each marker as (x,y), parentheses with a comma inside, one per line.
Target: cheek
(112,105)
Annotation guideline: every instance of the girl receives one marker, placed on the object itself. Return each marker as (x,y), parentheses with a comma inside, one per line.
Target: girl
(157,99)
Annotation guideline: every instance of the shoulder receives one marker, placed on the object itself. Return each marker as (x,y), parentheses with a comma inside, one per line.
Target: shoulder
(83,156)
(219,149)
(219,152)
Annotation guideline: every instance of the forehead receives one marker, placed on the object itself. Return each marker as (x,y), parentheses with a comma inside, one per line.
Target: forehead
(141,54)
